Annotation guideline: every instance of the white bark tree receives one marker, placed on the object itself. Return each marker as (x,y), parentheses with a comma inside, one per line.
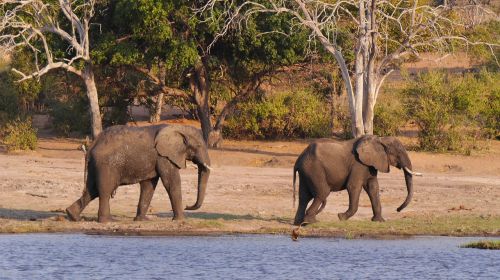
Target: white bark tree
(36,25)
(388,33)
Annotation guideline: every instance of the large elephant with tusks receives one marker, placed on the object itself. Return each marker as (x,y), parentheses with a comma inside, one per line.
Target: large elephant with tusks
(123,155)
(332,166)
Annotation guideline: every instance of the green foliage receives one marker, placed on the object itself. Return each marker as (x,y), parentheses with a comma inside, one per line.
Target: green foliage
(453,112)
(389,117)
(20,135)
(68,105)
(285,114)
(70,115)
(483,244)
(9,108)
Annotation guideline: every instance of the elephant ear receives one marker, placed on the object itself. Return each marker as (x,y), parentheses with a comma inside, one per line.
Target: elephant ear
(170,143)
(371,152)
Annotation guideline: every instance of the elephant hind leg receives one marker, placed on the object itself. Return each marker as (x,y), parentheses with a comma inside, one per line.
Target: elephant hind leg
(147,190)
(321,192)
(304,197)
(73,211)
(106,185)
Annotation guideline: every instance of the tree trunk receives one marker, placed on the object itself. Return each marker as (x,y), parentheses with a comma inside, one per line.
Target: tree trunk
(372,78)
(95,114)
(158,106)
(360,72)
(162,75)
(200,87)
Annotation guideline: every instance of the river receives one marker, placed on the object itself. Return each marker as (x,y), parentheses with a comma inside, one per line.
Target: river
(79,256)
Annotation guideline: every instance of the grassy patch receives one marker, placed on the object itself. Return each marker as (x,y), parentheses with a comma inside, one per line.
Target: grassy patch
(484,244)
(208,224)
(445,225)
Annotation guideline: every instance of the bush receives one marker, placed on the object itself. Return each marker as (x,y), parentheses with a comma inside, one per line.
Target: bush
(389,117)
(285,114)
(453,112)
(20,135)
(70,115)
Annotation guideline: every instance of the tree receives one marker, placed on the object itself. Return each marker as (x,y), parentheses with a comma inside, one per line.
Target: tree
(57,33)
(385,34)
(143,36)
(247,58)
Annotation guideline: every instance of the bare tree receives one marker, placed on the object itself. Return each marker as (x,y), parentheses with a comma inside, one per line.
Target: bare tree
(36,24)
(388,33)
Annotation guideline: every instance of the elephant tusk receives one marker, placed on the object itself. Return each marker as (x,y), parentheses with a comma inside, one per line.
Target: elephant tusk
(411,172)
(207,167)
(84,149)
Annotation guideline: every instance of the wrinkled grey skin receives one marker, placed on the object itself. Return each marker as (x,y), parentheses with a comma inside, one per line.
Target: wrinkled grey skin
(331,166)
(123,155)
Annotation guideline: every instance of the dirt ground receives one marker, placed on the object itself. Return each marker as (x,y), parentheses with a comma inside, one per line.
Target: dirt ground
(250,190)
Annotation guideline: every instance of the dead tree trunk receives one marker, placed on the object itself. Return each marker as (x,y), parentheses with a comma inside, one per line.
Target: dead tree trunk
(372,75)
(95,114)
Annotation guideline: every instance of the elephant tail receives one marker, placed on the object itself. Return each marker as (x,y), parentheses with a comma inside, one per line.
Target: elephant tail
(85,169)
(86,152)
(294,178)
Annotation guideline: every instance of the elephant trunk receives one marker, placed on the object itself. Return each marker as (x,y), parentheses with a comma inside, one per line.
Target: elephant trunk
(203,174)
(409,187)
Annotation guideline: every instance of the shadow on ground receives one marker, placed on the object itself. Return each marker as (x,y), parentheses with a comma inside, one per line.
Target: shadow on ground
(226,217)
(255,151)
(26,215)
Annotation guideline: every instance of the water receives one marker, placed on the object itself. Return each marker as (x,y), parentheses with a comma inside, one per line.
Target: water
(70,256)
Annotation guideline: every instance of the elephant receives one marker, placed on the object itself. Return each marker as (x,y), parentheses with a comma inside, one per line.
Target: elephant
(123,155)
(332,166)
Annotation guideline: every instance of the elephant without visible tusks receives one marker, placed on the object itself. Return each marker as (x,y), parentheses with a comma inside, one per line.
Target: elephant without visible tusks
(123,155)
(331,166)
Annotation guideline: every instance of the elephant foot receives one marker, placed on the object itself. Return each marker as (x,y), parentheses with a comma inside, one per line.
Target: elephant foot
(298,222)
(142,218)
(70,212)
(343,216)
(378,219)
(309,220)
(179,218)
(106,219)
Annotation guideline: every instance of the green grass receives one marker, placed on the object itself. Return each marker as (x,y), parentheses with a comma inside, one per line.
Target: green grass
(450,225)
(484,244)
(445,225)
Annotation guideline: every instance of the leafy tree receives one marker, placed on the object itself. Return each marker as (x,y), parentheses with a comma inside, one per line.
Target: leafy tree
(143,36)
(250,57)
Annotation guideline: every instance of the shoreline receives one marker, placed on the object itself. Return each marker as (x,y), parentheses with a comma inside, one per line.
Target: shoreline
(451,226)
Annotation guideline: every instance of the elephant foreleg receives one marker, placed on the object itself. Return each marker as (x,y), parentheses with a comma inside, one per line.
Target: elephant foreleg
(372,188)
(353,191)
(147,190)
(172,182)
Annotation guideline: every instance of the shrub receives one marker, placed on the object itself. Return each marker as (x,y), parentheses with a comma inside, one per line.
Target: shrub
(389,117)
(285,114)
(20,135)
(70,115)
(453,112)
(342,121)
